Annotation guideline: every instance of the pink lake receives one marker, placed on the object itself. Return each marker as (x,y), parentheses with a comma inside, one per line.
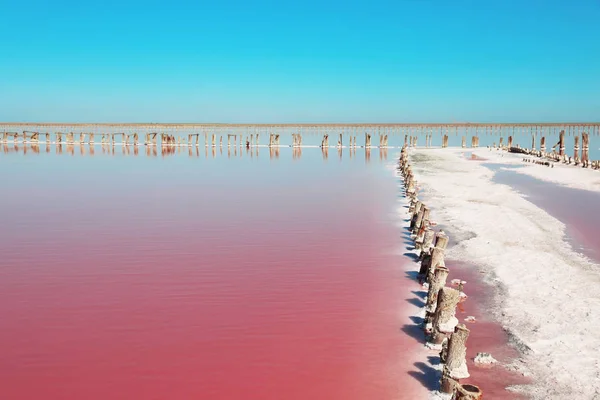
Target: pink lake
(134,275)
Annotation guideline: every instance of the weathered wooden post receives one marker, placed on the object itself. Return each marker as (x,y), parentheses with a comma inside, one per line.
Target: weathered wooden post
(437,282)
(532,143)
(561,143)
(340,143)
(585,149)
(501,143)
(367,140)
(427,243)
(576,151)
(455,367)
(464,142)
(467,392)
(221,141)
(47,138)
(325,141)
(444,319)
(422,218)
(543,145)
(510,141)
(436,259)
(91,141)
(214,140)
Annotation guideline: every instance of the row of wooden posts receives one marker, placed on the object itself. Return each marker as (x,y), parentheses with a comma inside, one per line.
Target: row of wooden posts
(413,140)
(441,325)
(580,154)
(151,139)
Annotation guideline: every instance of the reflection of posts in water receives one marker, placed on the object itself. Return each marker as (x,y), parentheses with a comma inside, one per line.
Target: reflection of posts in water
(36,148)
(383,154)
(228,152)
(47,147)
(82,149)
(367,154)
(274,152)
(325,152)
(297,153)
(71,149)
(92,150)
(214,152)
(59,148)
(221,142)
(339,150)
(135,150)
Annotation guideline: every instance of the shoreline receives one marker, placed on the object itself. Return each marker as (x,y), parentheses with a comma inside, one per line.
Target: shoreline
(533,242)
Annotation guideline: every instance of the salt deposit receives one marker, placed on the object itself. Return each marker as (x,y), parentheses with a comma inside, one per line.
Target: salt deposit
(547,295)
(484,358)
(562,174)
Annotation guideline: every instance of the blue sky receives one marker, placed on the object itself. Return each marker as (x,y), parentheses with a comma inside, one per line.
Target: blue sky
(311,61)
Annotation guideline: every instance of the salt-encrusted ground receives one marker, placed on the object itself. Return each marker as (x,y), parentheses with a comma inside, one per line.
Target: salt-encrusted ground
(562,174)
(548,295)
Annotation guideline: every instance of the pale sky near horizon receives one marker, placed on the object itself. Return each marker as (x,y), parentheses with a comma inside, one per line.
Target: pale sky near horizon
(312,61)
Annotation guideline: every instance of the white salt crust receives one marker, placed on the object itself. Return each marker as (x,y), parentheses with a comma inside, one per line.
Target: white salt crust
(562,174)
(548,296)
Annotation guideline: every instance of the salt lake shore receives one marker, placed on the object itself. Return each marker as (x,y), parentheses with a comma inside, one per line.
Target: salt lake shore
(545,294)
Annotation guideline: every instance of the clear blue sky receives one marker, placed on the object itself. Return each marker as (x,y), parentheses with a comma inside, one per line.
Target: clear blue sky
(313,61)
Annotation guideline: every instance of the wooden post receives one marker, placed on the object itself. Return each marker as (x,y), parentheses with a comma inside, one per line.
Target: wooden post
(427,242)
(501,143)
(439,281)
(367,140)
(444,319)
(456,362)
(424,221)
(576,150)
(510,141)
(436,259)
(467,392)
(561,143)
(543,145)
(464,141)
(585,139)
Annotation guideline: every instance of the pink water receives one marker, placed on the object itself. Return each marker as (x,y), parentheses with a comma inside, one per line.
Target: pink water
(129,276)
